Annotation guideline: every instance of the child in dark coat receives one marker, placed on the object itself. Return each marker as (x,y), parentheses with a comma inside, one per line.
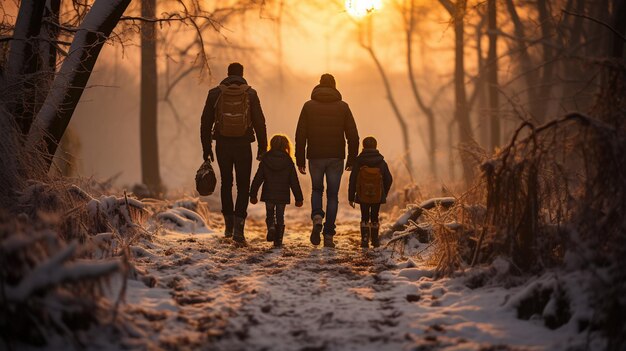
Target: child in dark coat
(370,182)
(277,173)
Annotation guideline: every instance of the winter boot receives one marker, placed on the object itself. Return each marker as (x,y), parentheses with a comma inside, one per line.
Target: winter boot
(328,241)
(278,237)
(317,229)
(271,231)
(238,230)
(228,226)
(365,234)
(374,234)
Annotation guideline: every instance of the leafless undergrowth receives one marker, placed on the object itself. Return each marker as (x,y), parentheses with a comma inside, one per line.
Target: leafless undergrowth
(555,195)
(59,248)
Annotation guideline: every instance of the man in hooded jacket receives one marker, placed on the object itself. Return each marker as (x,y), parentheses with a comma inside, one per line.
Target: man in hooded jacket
(325,124)
(233,152)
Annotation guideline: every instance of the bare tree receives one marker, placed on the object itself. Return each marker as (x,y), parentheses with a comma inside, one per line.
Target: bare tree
(70,82)
(492,78)
(23,63)
(408,11)
(461,106)
(149,139)
(366,42)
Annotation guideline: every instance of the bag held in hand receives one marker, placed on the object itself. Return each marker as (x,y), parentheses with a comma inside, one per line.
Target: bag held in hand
(369,185)
(233,110)
(205,179)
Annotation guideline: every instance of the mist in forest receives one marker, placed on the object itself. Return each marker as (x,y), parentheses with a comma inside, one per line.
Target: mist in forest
(283,62)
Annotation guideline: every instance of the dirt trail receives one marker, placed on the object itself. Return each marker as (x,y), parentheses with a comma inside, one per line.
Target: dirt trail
(213,295)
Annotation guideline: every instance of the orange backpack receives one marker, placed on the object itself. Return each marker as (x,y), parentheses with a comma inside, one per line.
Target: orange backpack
(233,110)
(369,185)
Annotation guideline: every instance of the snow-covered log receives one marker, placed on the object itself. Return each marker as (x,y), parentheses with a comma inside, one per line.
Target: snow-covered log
(183,219)
(445,202)
(70,82)
(54,272)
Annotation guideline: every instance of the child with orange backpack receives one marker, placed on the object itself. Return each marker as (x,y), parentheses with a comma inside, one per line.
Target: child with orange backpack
(277,174)
(370,182)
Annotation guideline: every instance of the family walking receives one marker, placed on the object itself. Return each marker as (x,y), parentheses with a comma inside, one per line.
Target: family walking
(233,117)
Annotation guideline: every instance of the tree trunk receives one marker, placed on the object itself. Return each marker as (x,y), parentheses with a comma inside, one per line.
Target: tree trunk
(461,112)
(614,82)
(618,23)
(70,82)
(49,33)
(366,41)
(545,87)
(150,172)
(428,112)
(480,91)
(526,62)
(492,77)
(404,128)
(23,63)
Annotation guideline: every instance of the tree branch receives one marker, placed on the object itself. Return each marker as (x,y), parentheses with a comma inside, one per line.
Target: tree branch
(615,31)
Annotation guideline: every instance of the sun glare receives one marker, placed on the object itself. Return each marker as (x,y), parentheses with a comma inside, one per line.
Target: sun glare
(361,8)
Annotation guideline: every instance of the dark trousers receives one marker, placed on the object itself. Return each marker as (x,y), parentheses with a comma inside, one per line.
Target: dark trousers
(237,156)
(369,213)
(275,213)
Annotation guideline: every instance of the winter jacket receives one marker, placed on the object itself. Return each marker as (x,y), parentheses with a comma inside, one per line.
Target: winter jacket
(370,158)
(208,119)
(323,127)
(278,175)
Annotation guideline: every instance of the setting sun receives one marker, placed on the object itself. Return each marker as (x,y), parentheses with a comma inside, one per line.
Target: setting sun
(360,8)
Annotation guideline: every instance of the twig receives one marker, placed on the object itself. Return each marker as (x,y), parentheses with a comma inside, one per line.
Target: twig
(615,31)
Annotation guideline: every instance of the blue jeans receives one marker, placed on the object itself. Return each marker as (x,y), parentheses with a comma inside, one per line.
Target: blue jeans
(332,168)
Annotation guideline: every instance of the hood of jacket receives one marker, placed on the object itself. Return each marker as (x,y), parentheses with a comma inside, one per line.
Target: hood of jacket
(233,80)
(370,158)
(277,160)
(323,93)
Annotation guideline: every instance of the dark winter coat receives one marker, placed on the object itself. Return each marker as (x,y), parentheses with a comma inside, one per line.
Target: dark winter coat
(256,113)
(370,158)
(324,125)
(278,175)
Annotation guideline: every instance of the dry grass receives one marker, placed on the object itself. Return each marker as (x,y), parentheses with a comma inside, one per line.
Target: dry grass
(540,187)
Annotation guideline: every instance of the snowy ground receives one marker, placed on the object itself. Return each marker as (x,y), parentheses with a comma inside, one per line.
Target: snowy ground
(212,295)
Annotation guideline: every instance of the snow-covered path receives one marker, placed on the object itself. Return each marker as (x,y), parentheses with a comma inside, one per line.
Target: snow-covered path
(211,295)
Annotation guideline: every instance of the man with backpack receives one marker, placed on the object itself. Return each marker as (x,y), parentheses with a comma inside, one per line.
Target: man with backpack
(323,127)
(370,182)
(232,116)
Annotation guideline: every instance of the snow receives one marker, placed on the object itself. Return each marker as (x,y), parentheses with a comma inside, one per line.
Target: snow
(210,294)
(55,271)
(183,220)
(410,213)
(438,201)
(414,274)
